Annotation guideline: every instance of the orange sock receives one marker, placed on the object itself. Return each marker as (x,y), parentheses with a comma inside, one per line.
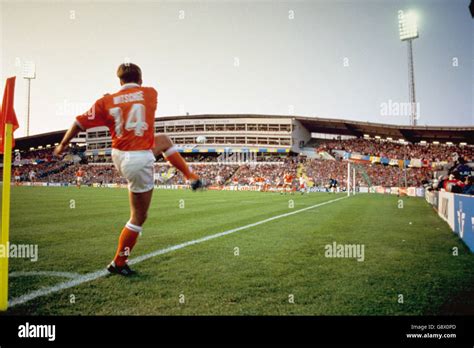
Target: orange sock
(174,157)
(127,241)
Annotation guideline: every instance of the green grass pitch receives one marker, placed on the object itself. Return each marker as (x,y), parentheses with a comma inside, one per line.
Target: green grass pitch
(408,252)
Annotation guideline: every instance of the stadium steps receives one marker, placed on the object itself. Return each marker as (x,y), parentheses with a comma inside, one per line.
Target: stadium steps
(229,178)
(326,155)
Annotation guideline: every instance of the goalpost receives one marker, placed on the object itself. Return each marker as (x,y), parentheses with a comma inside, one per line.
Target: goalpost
(353,181)
(348,181)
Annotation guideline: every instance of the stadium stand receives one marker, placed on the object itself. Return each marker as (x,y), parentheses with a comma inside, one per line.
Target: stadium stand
(257,151)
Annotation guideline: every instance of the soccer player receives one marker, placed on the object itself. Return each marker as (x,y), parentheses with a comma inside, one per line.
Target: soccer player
(32,176)
(130,116)
(287,183)
(302,184)
(79,177)
(17,176)
(235,181)
(278,185)
(333,185)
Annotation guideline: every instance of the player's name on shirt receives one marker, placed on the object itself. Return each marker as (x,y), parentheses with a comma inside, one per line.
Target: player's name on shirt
(130,97)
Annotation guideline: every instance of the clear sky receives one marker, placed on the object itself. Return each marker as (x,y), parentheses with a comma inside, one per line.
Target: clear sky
(263,57)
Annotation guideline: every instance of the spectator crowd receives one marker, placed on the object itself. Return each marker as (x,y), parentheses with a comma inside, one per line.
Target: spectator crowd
(397,150)
(271,168)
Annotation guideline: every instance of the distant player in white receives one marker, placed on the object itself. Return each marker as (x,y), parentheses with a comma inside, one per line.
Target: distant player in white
(302,185)
(32,176)
(219,180)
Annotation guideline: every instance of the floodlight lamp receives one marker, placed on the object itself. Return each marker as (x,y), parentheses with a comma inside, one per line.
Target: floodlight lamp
(407,25)
(29,70)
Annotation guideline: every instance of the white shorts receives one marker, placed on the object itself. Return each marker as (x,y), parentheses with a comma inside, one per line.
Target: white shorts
(17,178)
(137,167)
(79,179)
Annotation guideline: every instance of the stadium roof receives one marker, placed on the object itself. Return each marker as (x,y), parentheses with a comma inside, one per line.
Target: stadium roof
(413,134)
(43,139)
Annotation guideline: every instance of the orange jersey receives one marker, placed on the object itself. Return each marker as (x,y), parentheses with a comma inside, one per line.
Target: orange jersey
(80,173)
(288,178)
(129,114)
(17,173)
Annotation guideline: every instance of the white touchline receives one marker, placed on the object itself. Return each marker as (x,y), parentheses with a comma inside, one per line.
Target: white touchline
(102,273)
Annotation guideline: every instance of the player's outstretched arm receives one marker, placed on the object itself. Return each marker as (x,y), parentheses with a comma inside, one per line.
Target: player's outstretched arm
(70,134)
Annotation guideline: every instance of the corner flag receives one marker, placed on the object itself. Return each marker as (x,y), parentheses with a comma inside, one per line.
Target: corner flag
(8,124)
(7,114)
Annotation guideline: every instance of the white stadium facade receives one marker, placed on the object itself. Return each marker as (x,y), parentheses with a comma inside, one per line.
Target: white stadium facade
(272,134)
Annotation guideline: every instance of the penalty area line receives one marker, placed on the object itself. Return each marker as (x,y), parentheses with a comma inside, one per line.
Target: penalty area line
(102,273)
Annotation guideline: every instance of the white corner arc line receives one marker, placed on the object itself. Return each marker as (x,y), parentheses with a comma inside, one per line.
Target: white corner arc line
(102,273)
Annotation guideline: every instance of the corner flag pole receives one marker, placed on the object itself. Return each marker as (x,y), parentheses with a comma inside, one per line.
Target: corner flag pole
(7,164)
(8,124)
